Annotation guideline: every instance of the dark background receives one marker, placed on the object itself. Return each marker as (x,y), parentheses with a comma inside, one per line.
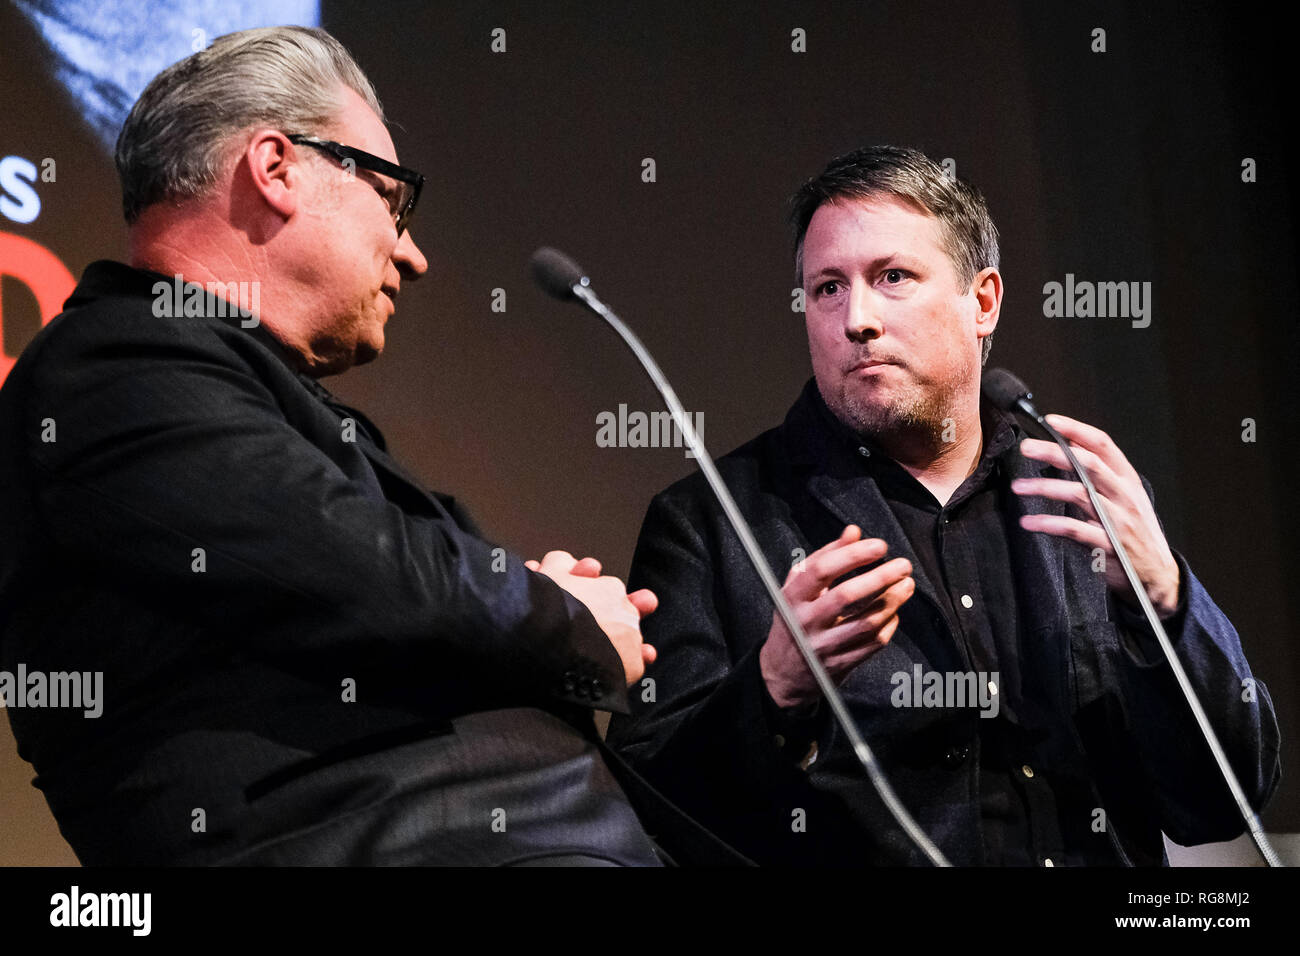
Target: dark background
(1115,166)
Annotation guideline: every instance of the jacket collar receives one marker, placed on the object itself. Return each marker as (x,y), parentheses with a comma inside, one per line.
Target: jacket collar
(108,278)
(815,435)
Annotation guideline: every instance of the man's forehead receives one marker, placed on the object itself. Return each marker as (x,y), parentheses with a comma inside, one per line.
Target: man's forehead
(845,224)
(882,212)
(358,126)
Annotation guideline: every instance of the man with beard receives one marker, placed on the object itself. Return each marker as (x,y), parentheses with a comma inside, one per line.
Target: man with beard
(1014,694)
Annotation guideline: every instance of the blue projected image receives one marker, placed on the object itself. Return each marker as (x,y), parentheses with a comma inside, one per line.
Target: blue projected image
(104,52)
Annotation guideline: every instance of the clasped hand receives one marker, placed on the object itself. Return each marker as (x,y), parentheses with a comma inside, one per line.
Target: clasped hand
(605,596)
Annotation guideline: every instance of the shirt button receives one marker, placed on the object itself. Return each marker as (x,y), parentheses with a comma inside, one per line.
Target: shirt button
(967,601)
(1027,770)
(993,688)
(1047,861)
(864,451)
(779,741)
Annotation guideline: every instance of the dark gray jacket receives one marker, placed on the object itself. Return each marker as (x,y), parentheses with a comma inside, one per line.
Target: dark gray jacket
(1115,731)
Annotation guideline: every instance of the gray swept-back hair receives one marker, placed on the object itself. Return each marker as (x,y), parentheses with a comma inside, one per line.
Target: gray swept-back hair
(970,238)
(183,131)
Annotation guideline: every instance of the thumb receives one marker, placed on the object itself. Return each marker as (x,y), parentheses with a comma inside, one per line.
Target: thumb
(645,601)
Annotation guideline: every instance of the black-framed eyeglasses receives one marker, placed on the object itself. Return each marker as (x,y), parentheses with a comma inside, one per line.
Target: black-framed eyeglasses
(400,203)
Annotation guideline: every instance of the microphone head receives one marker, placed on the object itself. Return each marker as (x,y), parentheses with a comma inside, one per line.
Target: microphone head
(556,273)
(1004,390)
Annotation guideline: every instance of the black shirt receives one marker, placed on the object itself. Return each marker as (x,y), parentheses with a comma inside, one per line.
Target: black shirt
(963,548)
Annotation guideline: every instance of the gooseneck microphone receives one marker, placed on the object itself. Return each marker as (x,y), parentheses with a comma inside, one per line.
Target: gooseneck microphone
(1008,393)
(561,277)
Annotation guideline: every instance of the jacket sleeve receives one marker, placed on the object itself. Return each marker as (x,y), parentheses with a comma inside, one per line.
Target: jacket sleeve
(702,726)
(1195,805)
(162,460)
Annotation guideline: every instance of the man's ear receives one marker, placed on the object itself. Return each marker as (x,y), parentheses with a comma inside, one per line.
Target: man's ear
(988,301)
(275,170)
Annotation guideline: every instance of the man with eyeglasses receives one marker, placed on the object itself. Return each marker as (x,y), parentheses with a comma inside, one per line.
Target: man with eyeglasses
(306,656)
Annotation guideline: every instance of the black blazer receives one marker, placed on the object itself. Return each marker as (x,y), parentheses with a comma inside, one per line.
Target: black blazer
(706,733)
(299,643)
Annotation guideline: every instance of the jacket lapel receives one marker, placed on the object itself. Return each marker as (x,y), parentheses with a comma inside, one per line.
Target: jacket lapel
(835,479)
(1037,556)
(1038,563)
(857,500)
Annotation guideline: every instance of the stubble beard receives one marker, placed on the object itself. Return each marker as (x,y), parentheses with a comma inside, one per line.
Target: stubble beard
(916,415)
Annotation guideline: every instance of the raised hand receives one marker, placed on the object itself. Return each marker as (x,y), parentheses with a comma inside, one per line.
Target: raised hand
(1126,503)
(845,623)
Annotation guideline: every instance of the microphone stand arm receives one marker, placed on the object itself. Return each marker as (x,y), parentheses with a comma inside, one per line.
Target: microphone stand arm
(1157,627)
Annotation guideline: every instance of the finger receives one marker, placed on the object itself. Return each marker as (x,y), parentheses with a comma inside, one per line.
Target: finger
(890,598)
(532,565)
(1095,440)
(887,631)
(875,613)
(849,535)
(869,618)
(823,566)
(558,561)
(850,652)
(1071,492)
(645,601)
(648,654)
(1089,534)
(587,568)
(850,597)
(1103,477)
